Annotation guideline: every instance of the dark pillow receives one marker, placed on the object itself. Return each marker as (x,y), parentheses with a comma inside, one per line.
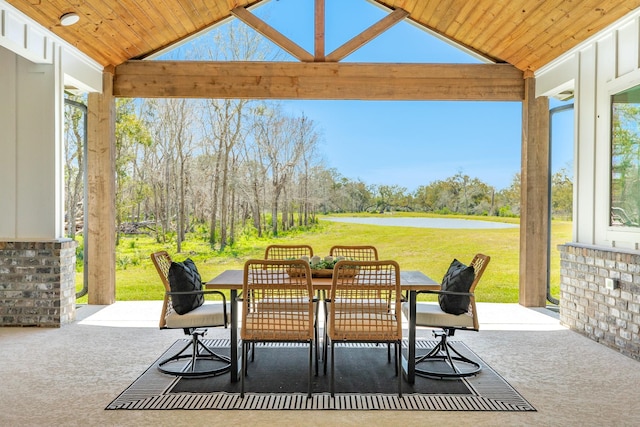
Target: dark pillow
(458,278)
(184,277)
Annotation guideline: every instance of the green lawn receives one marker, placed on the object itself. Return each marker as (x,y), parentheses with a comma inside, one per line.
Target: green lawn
(427,250)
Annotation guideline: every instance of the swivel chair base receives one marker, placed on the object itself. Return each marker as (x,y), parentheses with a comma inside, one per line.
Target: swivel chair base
(199,355)
(444,361)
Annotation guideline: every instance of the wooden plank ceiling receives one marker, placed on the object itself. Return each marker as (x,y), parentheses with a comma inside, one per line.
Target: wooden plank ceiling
(525,33)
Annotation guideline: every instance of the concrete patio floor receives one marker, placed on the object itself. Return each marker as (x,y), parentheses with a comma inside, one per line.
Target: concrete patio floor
(66,376)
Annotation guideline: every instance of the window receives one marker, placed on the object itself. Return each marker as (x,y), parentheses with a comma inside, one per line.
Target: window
(625,159)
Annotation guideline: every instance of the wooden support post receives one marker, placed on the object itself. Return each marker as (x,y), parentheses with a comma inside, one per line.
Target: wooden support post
(101,250)
(319,29)
(534,221)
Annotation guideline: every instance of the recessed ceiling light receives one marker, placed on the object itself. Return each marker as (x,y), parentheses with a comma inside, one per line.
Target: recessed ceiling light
(69,19)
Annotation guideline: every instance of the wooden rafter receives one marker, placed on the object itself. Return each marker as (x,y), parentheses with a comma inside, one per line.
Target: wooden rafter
(367,35)
(272,34)
(319,34)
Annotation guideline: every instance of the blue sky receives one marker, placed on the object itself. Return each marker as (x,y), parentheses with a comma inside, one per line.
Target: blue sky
(410,143)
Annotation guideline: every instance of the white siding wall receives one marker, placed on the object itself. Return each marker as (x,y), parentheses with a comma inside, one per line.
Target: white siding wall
(607,63)
(7,143)
(26,38)
(31,150)
(35,67)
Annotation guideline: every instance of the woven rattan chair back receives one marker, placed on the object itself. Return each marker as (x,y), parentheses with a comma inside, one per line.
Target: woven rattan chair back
(365,301)
(479,264)
(162,261)
(359,253)
(288,251)
(278,301)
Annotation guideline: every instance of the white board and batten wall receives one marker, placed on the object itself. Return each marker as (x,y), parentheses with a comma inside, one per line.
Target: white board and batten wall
(606,64)
(600,268)
(35,68)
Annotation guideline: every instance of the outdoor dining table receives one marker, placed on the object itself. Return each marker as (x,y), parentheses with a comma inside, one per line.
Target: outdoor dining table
(410,281)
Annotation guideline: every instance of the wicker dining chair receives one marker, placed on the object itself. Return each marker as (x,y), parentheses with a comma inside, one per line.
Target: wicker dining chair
(358,252)
(365,307)
(350,252)
(444,361)
(288,251)
(277,305)
(201,360)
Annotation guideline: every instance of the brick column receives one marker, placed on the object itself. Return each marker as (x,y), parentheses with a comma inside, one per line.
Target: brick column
(37,283)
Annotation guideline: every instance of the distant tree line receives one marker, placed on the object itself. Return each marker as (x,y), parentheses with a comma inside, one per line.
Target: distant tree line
(232,167)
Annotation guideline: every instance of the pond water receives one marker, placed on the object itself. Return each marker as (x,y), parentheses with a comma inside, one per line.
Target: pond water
(423,222)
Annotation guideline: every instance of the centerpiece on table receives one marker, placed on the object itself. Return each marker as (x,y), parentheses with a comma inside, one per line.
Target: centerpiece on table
(320,267)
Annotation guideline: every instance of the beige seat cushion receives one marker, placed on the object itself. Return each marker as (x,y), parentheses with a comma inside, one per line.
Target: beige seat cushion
(273,325)
(430,314)
(208,314)
(364,326)
(370,305)
(275,304)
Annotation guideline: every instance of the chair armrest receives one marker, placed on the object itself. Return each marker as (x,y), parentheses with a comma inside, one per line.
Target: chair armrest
(207,292)
(469,294)
(203,292)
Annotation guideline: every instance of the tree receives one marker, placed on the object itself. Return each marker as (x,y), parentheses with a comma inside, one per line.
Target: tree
(561,194)
(625,162)
(510,198)
(272,133)
(390,198)
(223,119)
(306,131)
(74,163)
(224,128)
(129,132)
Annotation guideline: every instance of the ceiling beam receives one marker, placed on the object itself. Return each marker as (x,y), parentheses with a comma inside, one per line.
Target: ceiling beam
(318,80)
(367,35)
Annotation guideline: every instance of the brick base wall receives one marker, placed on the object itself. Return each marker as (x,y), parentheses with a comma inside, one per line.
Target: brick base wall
(37,283)
(608,316)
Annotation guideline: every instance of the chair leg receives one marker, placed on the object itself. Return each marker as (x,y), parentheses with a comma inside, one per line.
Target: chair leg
(333,359)
(325,342)
(316,337)
(311,369)
(398,355)
(395,355)
(243,368)
(316,330)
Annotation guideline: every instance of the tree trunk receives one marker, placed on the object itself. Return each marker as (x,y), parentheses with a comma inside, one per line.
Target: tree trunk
(224,202)
(274,216)
(232,216)
(214,203)
(255,206)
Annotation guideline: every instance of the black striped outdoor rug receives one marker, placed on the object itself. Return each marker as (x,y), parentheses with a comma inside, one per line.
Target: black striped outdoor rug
(358,367)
